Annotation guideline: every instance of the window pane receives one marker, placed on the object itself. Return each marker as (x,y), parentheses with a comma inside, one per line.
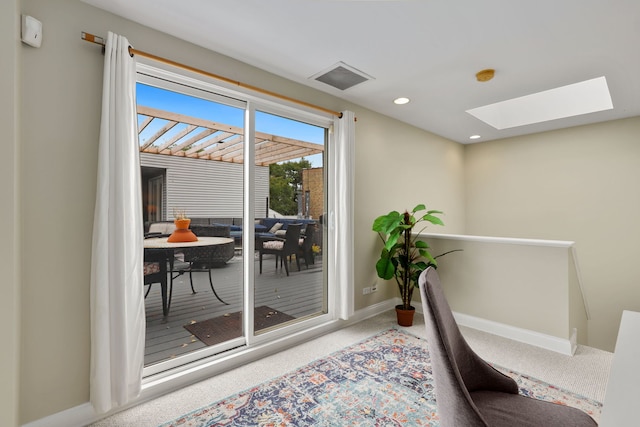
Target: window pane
(192,163)
(290,278)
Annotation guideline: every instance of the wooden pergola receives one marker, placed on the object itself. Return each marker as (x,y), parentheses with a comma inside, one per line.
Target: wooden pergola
(204,139)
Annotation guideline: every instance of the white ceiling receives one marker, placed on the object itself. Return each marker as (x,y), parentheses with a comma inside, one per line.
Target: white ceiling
(427,50)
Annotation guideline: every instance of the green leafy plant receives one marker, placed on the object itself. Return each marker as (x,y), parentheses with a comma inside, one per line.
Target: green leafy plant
(404,256)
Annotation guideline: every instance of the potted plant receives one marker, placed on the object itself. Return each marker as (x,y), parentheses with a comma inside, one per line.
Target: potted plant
(404,256)
(181,220)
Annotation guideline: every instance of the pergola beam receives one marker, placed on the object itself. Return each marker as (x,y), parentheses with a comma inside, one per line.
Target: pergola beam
(226,145)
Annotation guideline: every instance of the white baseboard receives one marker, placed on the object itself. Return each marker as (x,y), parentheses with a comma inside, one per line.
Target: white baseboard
(77,416)
(373,310)
(549,342)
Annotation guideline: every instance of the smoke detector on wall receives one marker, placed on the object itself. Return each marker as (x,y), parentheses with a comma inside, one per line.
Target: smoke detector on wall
(31,31)
(341,76)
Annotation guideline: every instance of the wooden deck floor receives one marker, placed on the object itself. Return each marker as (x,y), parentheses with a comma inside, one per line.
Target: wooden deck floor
(300,294)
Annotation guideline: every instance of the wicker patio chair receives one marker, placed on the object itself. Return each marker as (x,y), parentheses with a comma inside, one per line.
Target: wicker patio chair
(211,230)
(204,259)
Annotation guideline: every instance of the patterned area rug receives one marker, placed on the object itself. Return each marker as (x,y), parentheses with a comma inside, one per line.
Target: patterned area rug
(382,381)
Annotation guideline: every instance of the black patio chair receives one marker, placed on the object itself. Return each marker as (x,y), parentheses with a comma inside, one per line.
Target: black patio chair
(282,248)
(469,391)
(155,271)
(305,248)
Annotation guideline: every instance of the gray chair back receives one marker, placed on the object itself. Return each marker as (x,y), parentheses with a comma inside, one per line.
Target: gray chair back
(469,391)
(454,364)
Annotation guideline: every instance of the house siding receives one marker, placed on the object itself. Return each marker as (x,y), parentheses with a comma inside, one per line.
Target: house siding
(206,188)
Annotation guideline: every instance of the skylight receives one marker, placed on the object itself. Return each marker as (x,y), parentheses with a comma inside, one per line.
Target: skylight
(575,99)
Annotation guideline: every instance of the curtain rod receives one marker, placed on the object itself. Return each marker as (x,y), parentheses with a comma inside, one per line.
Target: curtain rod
(100,41)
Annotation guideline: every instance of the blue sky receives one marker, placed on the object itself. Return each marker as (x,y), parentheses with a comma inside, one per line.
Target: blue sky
(162,99)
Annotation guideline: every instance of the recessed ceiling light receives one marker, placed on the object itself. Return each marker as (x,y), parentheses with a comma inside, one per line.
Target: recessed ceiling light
(475,137)
(401,101)
(575,99)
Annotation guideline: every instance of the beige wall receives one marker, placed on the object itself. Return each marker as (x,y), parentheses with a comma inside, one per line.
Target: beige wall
(578,184)
(61,95)
(9,250)
(527,284)
(398,167)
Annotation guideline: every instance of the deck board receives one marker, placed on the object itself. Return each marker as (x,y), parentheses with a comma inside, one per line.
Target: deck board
(299,295)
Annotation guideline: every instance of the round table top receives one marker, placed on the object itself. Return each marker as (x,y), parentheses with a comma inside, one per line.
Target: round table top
(161,242)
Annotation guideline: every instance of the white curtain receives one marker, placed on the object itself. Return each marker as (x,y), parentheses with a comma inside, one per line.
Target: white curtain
(117,301)
(342,218)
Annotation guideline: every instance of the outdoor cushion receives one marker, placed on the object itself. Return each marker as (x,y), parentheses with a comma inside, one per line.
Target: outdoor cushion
(151,268)
(263,236)
(162,227)
(273,244)
(269,222)
(277,226)
(258,227)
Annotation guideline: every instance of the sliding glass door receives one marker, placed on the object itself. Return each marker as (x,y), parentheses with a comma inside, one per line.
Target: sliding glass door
(290,282)
(251,178)
(193,140)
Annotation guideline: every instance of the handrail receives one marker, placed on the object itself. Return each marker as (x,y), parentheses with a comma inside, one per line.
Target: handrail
(506,240)
(527,242)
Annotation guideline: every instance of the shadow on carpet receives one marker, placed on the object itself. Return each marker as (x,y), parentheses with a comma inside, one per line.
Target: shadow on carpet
(384,380)
(229,326)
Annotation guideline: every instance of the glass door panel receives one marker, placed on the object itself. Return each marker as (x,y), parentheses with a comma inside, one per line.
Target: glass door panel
(290,277)
(196,139)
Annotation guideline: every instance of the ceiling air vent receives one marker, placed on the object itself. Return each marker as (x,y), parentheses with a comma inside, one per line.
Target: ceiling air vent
(341,76)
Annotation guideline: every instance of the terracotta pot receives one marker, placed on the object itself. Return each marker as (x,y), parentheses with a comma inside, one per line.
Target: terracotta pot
(182,232)
(181,224)
(405,317)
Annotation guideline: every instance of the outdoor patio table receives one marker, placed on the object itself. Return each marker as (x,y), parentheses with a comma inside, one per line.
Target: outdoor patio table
(169,249)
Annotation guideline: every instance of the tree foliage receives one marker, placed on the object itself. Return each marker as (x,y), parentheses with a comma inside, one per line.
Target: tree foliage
(284,179)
